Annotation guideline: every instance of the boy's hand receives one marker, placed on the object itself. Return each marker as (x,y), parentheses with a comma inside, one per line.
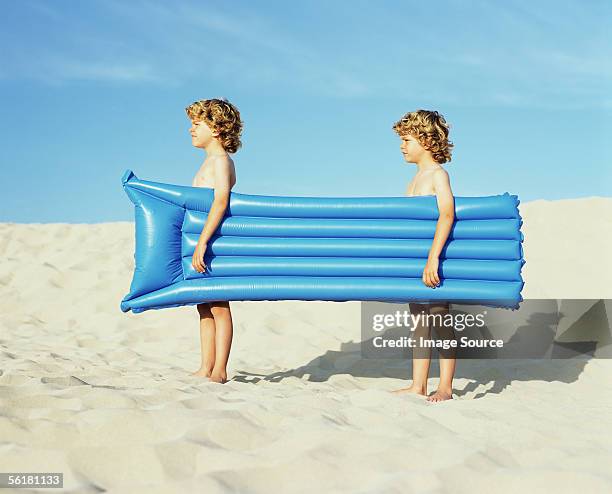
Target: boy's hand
(197,261)
(430,273)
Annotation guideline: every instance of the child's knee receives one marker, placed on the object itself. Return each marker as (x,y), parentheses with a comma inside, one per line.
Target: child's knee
(220,309)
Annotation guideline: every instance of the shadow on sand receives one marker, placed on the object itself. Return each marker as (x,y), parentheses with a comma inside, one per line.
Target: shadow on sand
(545,341)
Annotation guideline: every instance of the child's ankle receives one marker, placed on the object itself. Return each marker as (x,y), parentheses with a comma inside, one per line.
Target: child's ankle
(419,386)
(218,370)
(208,368)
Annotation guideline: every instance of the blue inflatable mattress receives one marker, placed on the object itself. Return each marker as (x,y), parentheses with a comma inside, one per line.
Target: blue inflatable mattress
(314,248)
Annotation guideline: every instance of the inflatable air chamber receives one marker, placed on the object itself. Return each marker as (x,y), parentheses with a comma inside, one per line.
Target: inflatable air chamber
(315,248)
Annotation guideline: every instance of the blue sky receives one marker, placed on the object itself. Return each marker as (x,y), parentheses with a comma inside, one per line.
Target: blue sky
(89,89)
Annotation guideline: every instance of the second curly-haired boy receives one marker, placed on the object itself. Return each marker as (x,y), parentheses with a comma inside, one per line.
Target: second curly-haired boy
(425,143)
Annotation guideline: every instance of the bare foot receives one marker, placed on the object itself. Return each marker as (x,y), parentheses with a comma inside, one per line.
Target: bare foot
(218,377)
(418,390)
(441,395)
(202,372)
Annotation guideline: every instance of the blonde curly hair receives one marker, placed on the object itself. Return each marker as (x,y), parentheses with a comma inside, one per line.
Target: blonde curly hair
(221,116)
(430,129)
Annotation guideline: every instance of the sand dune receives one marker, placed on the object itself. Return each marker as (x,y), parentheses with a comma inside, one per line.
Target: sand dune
(106,397)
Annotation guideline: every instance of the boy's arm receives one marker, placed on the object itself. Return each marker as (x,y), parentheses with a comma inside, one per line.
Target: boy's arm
(446,208)
(217,210)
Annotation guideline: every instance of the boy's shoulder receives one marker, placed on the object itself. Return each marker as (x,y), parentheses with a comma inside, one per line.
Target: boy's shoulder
(440,174)
(440,181)
(440,170)
(222,159)
(224,170)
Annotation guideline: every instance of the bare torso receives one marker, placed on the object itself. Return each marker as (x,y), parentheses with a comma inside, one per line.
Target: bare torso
(422,184)
(205,177)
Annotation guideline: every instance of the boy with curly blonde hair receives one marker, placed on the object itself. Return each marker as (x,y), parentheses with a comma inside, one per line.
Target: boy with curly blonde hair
(215,127)
(425,143)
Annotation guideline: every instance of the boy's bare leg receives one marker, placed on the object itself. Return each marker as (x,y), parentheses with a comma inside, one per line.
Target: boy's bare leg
(421,356)
(223,339)
(447,357)
(207,341)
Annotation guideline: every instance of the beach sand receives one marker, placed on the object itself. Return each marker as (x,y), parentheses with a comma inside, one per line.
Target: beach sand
(107,399)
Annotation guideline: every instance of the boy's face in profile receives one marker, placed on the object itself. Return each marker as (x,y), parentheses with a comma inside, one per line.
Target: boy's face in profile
(201,134)
(411,148)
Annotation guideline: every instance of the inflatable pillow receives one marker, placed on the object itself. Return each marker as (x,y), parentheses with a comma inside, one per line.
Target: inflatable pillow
(316,248)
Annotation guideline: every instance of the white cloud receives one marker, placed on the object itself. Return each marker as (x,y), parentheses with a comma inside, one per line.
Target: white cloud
(67,69)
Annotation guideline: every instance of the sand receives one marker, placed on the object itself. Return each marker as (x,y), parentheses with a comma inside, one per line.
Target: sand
(106,397)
